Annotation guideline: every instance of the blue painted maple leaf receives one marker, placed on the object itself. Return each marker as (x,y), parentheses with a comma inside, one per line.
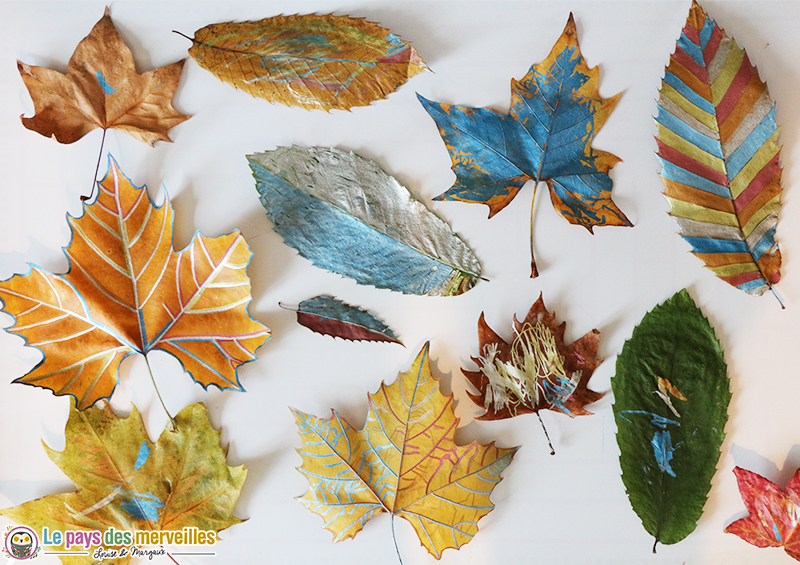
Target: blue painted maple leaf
(547,135)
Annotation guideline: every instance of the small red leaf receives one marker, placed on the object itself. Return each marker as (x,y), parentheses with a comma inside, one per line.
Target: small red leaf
(774,513)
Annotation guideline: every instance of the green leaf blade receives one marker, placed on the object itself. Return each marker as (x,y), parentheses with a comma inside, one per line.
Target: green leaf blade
(668,460)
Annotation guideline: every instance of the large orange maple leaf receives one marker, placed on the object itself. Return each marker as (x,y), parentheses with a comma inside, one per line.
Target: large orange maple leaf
(102,89)
(128,291)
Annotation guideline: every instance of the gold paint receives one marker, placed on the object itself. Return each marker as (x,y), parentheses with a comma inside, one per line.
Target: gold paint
(701,214)
(763,156)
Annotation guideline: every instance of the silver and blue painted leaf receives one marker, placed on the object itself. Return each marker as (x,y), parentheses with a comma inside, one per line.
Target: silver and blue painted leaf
(348,216)
(330,316)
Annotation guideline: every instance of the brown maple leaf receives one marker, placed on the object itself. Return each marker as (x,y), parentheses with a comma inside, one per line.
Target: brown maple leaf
(102,89)
(536,370)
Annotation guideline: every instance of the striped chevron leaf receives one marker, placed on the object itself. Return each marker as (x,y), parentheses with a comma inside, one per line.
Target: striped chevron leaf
(128,291)
(718,146)
(404,462)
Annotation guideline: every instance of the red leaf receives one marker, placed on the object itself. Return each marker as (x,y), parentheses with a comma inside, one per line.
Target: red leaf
(774,513)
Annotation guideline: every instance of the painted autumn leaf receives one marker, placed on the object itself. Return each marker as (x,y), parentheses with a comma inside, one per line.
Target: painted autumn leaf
(536,371)
(313,61)
(774,512)
(128,291)
(347,215)
(102,89)
(556,110)
(330,316)
(718,147)
(404,462)
(125,481)
(671,396)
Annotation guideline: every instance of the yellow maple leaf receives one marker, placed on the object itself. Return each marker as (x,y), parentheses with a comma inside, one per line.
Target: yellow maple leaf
(128,291)
(125,482)
(404,461)
(102,89)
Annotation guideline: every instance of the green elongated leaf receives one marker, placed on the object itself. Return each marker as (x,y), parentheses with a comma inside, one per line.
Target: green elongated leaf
(718,147)
(671,395)
(346,215)
(330,316)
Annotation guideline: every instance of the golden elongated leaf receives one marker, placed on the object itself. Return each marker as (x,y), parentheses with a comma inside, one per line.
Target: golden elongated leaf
(125,481)
(313,61)
(404,461)
(102,89)
(128,291)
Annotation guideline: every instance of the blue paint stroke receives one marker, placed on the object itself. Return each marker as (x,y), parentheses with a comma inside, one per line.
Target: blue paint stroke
(557,393)
(103,84)
(663,450)
(144,453)
(143,506)
(662,440)
(777,533)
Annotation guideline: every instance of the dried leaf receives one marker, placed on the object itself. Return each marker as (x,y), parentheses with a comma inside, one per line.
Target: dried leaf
(671,396)
(774,513)
(330,316)
(128,291)
(556,110)
(312,61)
(404,462)
(536,371)
(346,215)
(102,90)
(125,481)
(719,152)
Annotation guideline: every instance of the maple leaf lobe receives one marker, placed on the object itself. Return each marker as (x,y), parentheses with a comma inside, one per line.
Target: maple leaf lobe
(102,89)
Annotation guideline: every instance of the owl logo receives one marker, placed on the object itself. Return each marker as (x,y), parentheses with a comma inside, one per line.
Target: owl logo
(21,543)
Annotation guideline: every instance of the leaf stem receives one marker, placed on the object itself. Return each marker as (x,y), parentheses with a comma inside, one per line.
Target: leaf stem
(184,35)
(158,394)
(170,556)
(96,168)
(778,298)
(394,538)
(552,451)
(534,270)
(281,304)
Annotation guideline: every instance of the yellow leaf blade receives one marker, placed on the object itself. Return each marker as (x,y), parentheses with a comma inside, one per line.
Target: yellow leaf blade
(312,61)
(405,458)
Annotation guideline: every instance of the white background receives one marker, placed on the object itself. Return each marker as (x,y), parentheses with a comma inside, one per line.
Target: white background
(566,509)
